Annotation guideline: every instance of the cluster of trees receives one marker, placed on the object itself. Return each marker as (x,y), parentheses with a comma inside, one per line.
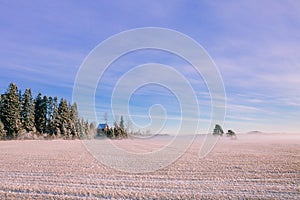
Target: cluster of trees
(218,130)
(43,116)
(116,132)
(120,129)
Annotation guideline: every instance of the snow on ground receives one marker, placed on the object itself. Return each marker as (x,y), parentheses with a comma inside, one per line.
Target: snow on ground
(253,166)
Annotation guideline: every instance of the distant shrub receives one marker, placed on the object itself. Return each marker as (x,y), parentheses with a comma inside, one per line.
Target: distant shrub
(218,130)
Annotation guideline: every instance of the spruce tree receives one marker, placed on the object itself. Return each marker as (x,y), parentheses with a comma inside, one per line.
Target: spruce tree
(45,112)
(2,131)
(37,112)
(10,114)
(27,111)
(1,105)
(87,129)
(40,114)
(64,114)
(56,124)
(53,120)
(50,118)
(81,129)
(1,102)
(74,120)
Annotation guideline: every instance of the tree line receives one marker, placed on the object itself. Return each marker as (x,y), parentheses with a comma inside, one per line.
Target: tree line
(43,116)
(117,132)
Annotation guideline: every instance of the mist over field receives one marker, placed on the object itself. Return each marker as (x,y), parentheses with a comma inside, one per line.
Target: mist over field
(251,167)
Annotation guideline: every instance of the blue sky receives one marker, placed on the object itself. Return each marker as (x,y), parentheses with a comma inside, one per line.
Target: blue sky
(255,45)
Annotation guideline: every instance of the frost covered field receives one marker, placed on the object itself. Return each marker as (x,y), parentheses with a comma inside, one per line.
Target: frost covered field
(253,166)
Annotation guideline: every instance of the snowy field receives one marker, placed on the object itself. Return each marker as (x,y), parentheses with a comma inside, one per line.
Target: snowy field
(253,166)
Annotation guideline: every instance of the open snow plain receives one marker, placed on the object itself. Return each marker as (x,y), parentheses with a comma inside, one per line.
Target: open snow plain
(254,166)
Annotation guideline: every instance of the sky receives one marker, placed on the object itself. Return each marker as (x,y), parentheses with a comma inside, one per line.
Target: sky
(254,44)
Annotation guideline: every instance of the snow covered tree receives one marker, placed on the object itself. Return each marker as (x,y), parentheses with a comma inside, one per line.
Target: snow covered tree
(1,98)
(81,129)
(74,120)
(45,111)
(10,111)
(1,105)
(21,113)
(122,123)
(50,117)
(86,129)
(27,111)
(56,124)
(64,114)
(2,131)
(53,118)
(129,127)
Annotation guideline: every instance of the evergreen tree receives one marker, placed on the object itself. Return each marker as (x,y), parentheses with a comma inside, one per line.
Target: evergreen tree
(116,124)
(56,124)
(74,121)
(122,123)
(10,111)
(40,113)
(64,114)
(20,97)
(27,111)
(37,112)
(53,119)
(218,130)
(2,131)
(109,133)
(86,129)
(1,105)
(81,129)
(45,112)
(50,117)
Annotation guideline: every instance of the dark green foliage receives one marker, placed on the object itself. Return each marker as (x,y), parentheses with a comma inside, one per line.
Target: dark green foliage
(63,111)
(55,127)
(1,105)
(74,121)
(27,111)
(120,133)
(2,131)
(40,113)
(10,111)
(110,133)
(218,130)
(53,118)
